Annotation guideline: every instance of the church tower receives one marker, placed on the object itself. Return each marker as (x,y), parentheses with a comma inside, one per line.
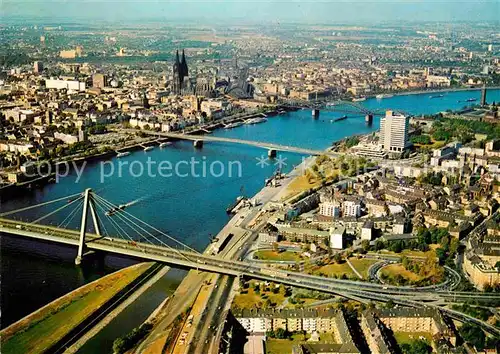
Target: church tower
(184,66)
(177,77)
(180,73)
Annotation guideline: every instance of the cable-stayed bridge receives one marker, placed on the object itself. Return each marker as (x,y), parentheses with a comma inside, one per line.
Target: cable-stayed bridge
(107,227)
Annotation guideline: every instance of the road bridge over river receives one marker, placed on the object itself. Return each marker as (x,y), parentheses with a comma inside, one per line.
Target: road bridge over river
(260,144)
(152,247)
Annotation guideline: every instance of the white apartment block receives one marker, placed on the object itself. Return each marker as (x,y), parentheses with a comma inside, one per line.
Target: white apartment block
(331,209)
(73,85)
(351,208)
(256,324)
(394,132)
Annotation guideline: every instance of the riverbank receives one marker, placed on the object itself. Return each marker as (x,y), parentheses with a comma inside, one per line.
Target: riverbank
(437,90)
(43,329)
(113,314)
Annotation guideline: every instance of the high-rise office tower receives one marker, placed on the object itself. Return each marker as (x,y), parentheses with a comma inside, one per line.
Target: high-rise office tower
(394,132)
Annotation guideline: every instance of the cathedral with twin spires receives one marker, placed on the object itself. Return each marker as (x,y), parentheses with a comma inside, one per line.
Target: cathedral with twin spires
(180,74)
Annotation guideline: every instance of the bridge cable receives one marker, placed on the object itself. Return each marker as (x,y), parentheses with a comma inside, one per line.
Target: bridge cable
(120,215)
(152,227)
(37,205)
(102,206)
(159,240)
(70,216)
(128,225)
(55,211)
(115,225)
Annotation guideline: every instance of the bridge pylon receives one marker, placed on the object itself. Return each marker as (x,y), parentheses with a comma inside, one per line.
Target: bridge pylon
(88,203)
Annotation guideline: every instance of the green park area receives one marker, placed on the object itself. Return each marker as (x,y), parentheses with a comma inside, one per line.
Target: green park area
(413,272)
(333,270)
(464,131)
(270,255)
(391,272)
(339,268)
(362,265)
(41,330)
(323,171)
(254,294)
(408,337)
(284,346)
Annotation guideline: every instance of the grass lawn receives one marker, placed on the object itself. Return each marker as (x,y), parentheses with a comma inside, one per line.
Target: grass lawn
(411,253)
(277,256)
(250,299)
(41,330)
(281,346)
(408,337)
(393,269)
(362,265)
(306,302)
(334,269)
(298,185)
(284,346)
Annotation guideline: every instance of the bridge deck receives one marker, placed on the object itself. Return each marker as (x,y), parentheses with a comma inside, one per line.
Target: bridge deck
(260,144)
(352,289)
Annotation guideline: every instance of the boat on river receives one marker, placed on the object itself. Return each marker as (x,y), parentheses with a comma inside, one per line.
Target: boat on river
(256,120)
(338,119)
(123,154)
(383,95)
(233,125)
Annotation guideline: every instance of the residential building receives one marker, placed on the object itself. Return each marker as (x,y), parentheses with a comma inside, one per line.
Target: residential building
(375,334)
(37,67)
(99,81)
(367,230)
(337,235)
(331,209)
(57,84)
(351,208)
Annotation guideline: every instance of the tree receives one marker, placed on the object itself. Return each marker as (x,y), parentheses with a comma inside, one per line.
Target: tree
(472,334)
(365,244)
(441,255)
(282,333)
(416,347)
(118,345)
(337,258)
(406,262)
(396,246)
(488,288)
(379,245)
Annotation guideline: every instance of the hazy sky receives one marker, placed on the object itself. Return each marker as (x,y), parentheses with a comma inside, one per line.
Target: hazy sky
(230,11)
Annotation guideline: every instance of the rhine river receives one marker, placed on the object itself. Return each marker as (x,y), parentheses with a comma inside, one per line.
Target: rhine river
(188,207)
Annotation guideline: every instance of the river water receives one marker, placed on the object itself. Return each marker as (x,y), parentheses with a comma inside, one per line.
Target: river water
(188,206)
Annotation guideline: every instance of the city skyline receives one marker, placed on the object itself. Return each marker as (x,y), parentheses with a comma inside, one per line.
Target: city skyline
(231,11)
(325,186)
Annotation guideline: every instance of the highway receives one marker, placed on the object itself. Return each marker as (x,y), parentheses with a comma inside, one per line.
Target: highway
(193,260)
(219,265)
